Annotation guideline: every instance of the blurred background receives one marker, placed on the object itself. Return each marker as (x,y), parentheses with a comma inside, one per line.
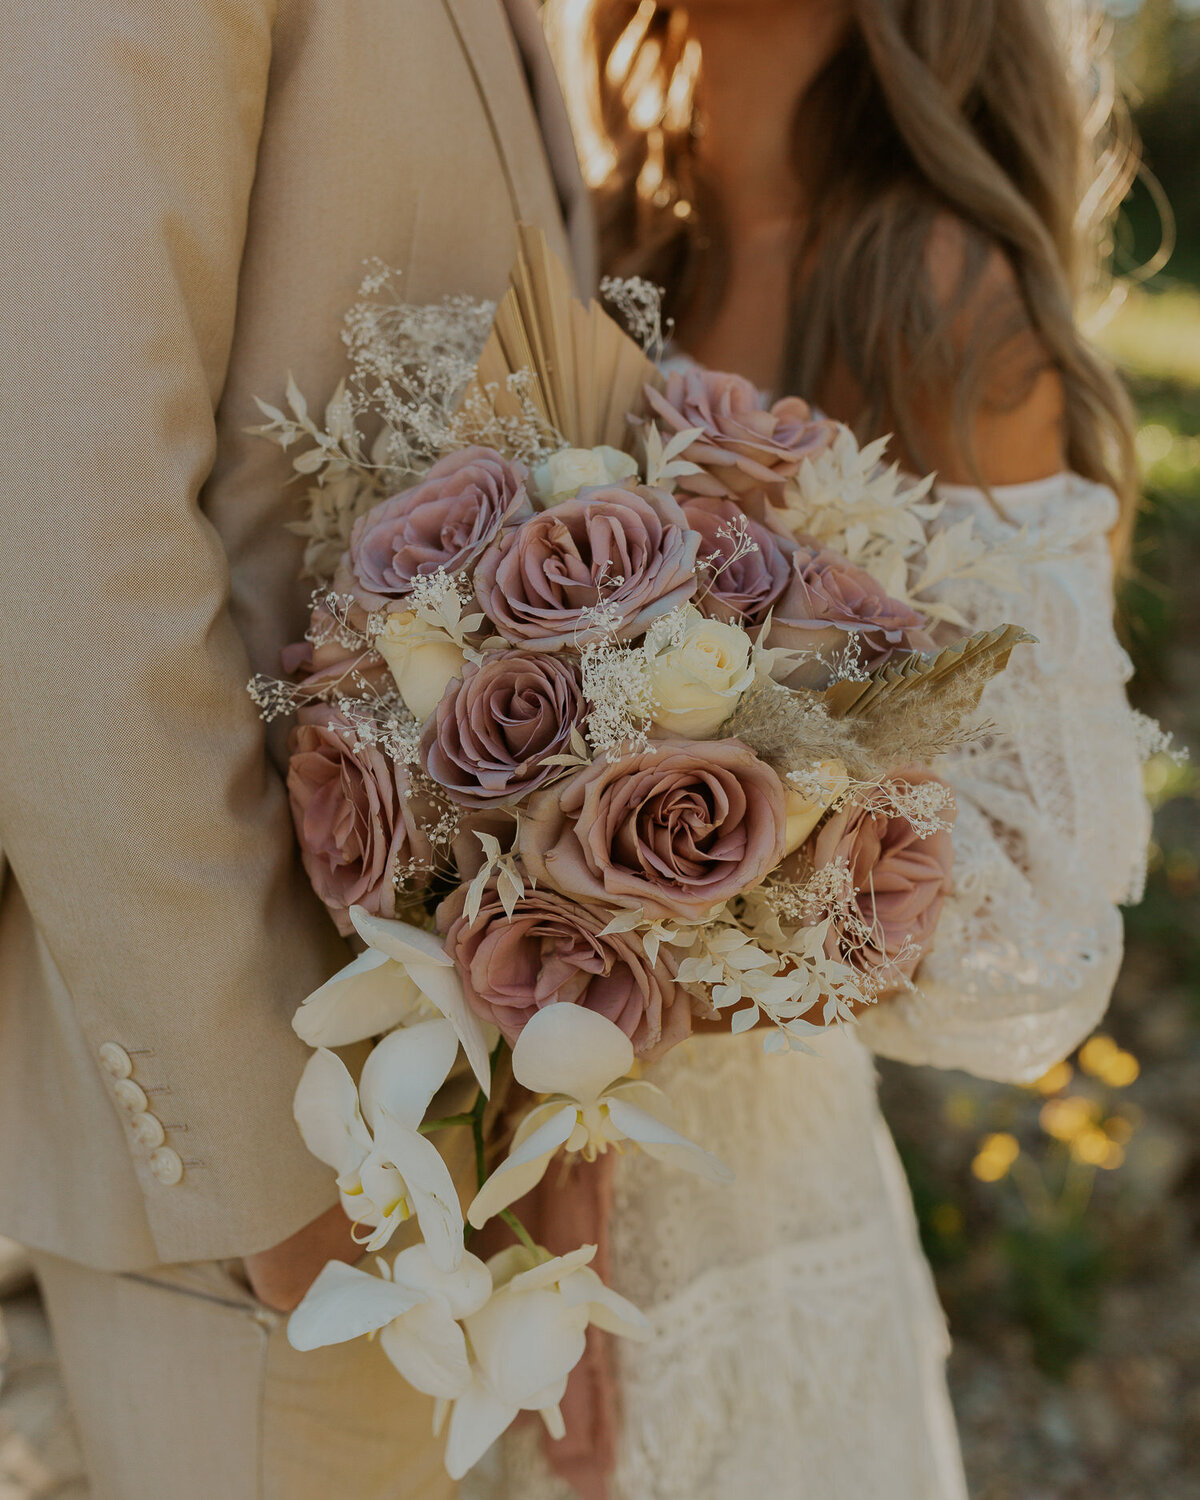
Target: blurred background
(1062,1220)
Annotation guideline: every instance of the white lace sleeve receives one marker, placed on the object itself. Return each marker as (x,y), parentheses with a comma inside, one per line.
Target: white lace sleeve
(1052,826)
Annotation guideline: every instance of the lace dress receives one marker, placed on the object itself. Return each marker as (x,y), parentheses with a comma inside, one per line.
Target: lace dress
(798,1346)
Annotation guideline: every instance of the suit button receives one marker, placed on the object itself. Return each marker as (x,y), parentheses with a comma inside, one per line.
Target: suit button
(115,1061)
(147,1130)
(166,1166)
(130,1096)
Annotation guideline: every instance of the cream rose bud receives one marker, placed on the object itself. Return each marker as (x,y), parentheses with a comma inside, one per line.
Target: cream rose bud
(422,660)
(805,808)
(561,476)
(698,669)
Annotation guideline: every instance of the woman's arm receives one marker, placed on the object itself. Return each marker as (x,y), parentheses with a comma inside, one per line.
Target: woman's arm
(1052,825)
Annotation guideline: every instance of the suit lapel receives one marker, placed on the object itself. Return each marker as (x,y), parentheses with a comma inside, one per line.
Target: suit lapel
(503,42)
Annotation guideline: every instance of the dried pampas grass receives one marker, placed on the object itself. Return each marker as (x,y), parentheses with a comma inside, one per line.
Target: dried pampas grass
(912,710)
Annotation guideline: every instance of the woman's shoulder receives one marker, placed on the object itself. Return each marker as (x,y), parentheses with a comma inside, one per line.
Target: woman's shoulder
(1017,430)
(986,358)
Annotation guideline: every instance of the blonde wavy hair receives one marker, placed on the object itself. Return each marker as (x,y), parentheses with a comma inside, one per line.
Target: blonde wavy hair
(999,115)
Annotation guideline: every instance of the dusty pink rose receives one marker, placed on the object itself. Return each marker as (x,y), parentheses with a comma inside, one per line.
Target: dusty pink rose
(631,550)
(828,602)
(446,521)
(331,665)
(746,444)
(490,735)
(901,878)
(676,830)
(750,567)
(551,952)
(354,819)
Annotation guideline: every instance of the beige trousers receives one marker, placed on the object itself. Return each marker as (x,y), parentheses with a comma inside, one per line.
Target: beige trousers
(184,1387)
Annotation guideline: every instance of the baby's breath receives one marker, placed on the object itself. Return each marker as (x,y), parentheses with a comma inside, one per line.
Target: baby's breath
(639,304)
(383,723)
(616,683)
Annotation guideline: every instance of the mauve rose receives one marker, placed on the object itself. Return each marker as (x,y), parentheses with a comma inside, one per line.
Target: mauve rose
(742,592)
(489,737)
(446,521)
(354,818)
(901,878)
(538,579)
(551,952)
(676,829)
(746,444)
(827,602)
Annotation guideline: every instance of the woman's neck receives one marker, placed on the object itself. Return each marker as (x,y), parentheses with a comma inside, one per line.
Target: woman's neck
(758,62)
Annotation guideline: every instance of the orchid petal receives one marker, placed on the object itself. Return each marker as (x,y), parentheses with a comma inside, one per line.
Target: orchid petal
(431,1189)
(476,1422)
(551,1272)
(429,1349)
(548,1397)
(536,1118)
(406,1069)
(511,1262)
(664,1144)
(384,1198)
(553,1418)
(399,940)
(432,970)
(521,1171)
(463,1291)
(606,1309)
(524,1342)
(365,999)
(443,988)
(565,1049)
(645,1095)
(344,1303)
(326,1110)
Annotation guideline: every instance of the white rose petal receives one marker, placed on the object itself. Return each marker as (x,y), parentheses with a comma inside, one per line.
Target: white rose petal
(698,670)
(422,660)
(561,476)
(804,810)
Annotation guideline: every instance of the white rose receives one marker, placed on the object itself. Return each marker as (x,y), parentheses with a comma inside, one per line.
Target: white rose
(422,660)
(698,669)
(565,473)
(824,784)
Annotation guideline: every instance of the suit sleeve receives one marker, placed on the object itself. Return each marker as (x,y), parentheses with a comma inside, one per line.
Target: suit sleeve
(148,834)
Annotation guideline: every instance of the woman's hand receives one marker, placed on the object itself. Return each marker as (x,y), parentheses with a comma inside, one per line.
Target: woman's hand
(279,1277)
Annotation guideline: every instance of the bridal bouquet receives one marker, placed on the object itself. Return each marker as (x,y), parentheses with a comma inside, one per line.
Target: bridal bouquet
(614,719)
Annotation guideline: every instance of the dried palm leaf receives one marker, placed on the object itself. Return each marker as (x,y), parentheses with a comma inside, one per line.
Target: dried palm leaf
(572,362)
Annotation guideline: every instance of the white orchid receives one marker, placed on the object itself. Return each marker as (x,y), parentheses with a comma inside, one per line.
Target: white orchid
(525,1341)
(577,1057)
(404,976)
(493,1339)
(413,1305)
(369,1134)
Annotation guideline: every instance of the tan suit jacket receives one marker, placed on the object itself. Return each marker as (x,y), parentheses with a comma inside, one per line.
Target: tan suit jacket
(188,190)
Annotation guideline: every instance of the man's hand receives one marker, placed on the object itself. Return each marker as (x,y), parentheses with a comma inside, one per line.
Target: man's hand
(281,1276)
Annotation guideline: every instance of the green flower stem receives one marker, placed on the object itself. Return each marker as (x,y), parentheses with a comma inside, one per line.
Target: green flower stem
(474,1119)
(445,1123)
(521,1232)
